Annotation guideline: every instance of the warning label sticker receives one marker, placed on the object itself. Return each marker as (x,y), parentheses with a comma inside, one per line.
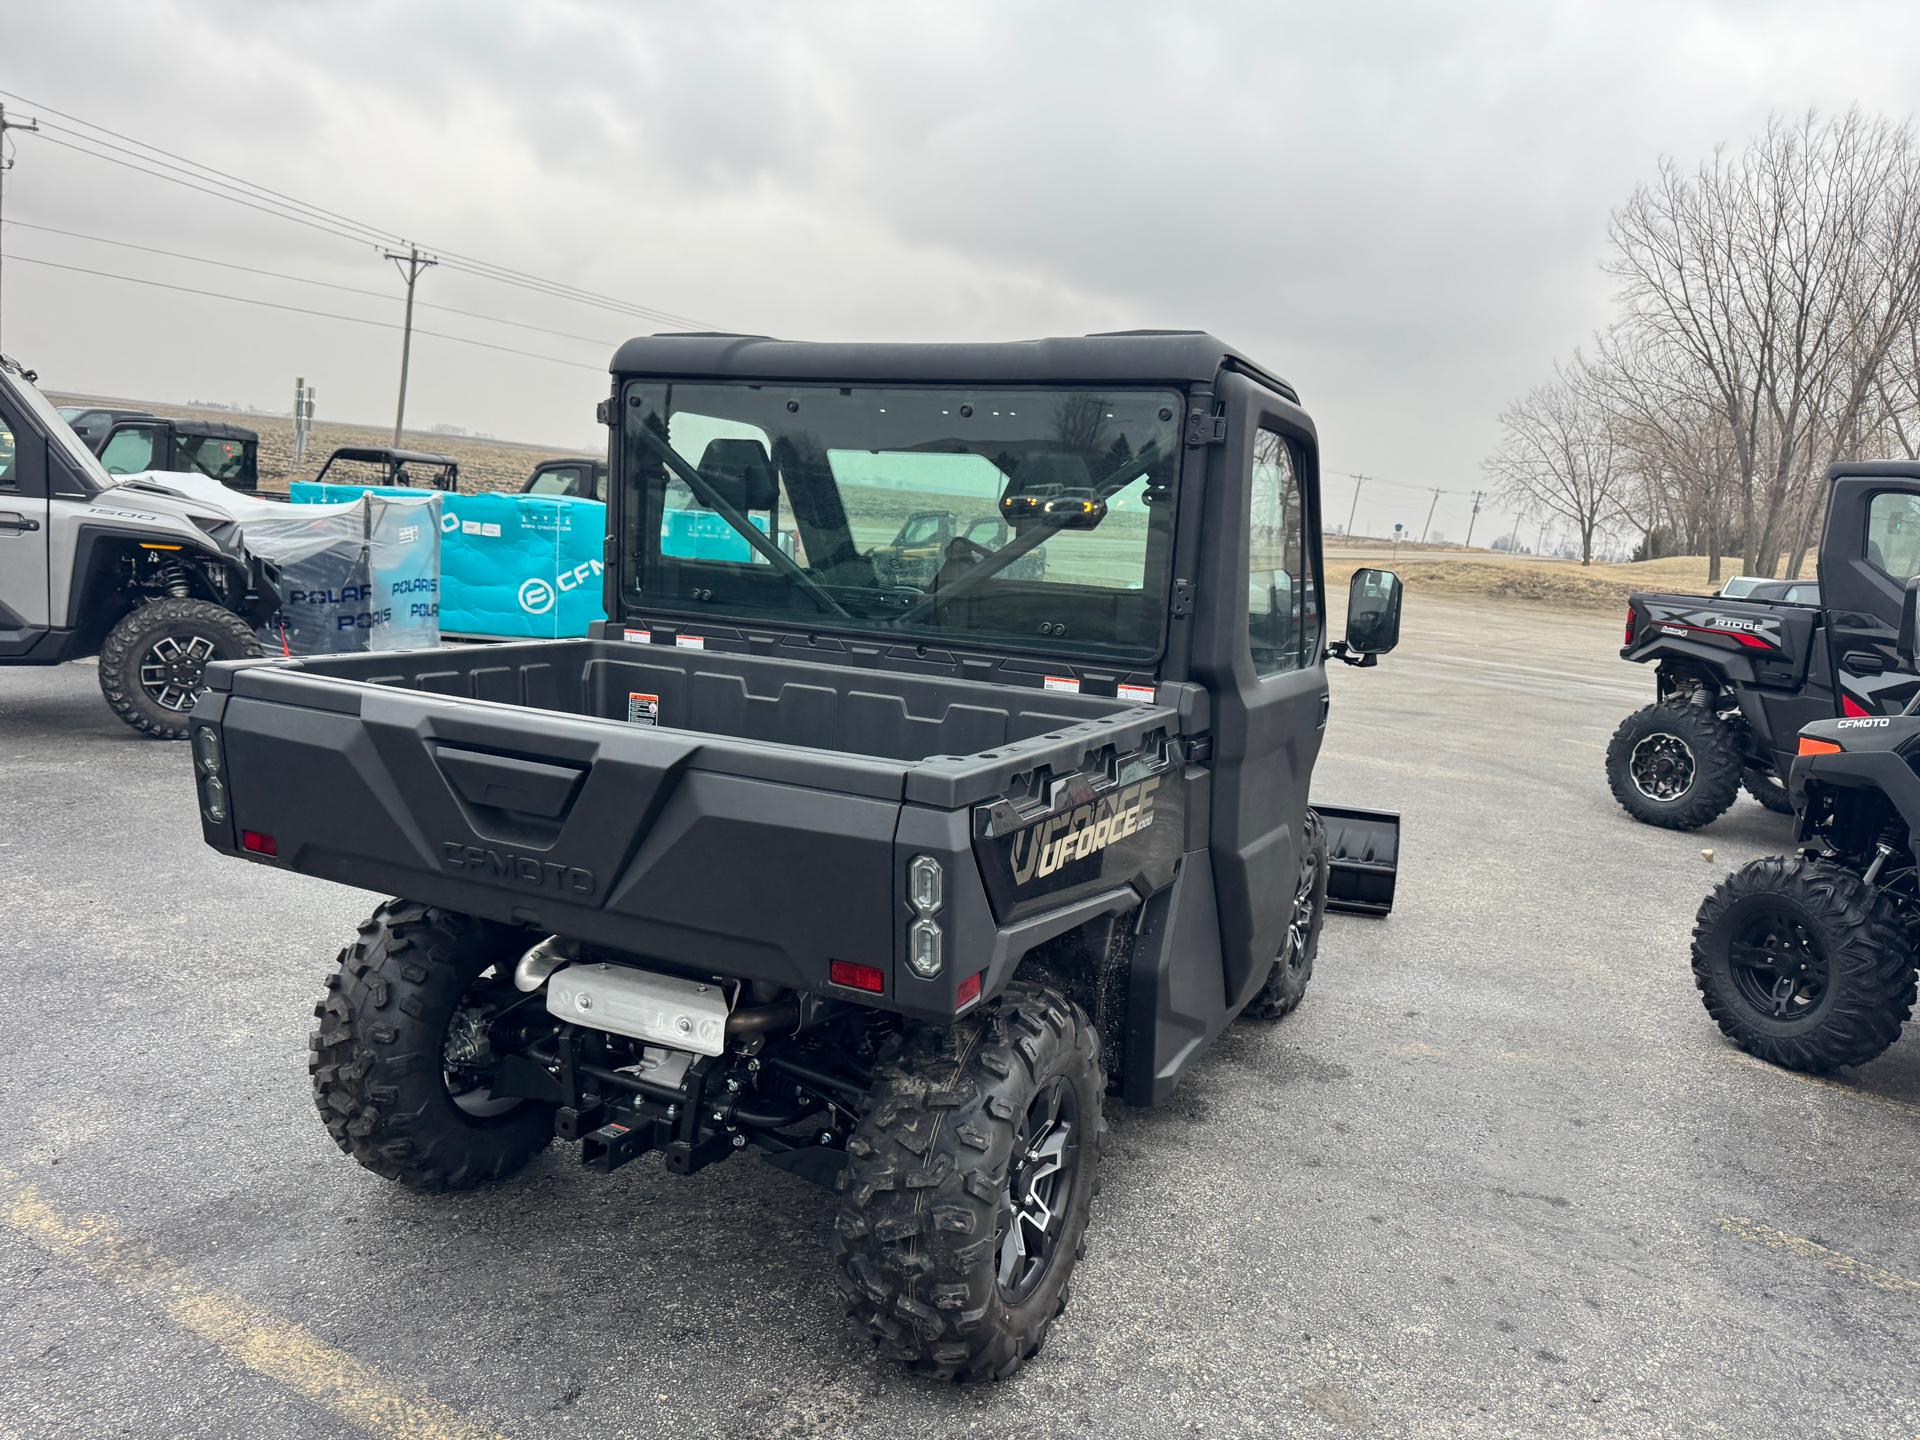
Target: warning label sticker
(1061,682)
(642,709)
(640,637)
(691,642)
(1140,694)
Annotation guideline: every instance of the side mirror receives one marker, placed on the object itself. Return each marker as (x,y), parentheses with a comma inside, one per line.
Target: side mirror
(1904,636)
(1373,614)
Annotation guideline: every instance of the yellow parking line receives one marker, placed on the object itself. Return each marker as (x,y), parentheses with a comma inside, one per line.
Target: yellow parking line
(1749,1230)
(1906,1108)
(277,1349)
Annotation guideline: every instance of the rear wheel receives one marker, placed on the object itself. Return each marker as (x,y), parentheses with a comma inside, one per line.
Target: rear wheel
(1768,790)
(402,1063)
(1801,964)
(1294,966)
(153,663)
(964,1201)
(1674,765)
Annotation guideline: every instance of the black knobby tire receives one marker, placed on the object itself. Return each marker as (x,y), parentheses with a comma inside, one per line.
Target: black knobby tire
(923,1237)
(380,1058)
(152,662)
(1294,966)
(1803,965)
(1768,790)
(1674,765)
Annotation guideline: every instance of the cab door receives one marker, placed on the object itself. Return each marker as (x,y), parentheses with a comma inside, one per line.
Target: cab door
(1869,551)
(1258,646)
(24,603)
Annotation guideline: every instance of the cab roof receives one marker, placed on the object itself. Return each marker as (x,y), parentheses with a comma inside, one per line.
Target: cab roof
(1128,357)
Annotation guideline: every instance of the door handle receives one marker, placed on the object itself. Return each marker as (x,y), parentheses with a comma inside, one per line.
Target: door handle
(13,520)
(1864,662)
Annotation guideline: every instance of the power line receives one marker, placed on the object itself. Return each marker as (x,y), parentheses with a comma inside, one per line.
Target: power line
(303,310)
(305,280)
(195,175)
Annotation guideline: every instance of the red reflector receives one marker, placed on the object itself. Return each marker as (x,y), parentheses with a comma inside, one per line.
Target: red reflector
(861,978)
(1628,638)
(970,990)
(260,845)
(1848,707)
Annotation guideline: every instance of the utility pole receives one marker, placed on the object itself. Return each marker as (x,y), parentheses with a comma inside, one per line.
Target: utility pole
(1357,504)
(6,164)
(1430,514)
(410,265)
(303,398)
(1470,519)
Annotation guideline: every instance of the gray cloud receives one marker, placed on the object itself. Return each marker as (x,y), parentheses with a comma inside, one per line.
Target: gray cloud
(1398,206)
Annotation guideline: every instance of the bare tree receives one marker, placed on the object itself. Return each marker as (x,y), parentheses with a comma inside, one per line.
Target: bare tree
(1785,279)
(1560,454)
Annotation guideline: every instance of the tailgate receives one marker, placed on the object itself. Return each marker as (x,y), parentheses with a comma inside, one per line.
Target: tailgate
(757,859)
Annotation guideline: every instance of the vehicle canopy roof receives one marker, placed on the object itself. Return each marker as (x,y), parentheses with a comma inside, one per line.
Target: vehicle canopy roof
(388,453)
(215,429)
(1128,357)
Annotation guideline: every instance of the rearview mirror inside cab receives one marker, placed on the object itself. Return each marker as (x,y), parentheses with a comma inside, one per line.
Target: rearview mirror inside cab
(1373,616)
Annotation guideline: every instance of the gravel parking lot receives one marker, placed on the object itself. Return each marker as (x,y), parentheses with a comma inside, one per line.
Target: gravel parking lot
(1498,1176)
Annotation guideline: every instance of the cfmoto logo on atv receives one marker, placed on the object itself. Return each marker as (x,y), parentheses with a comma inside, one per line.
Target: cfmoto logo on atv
(537,596)
(525,869)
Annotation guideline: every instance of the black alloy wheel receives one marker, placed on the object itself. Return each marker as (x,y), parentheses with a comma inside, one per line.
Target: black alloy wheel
(1040,1177)
(1661,767)
(1294,966)
(1802,963)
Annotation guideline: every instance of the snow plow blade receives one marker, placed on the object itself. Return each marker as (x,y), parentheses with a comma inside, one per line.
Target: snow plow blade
(1363,851)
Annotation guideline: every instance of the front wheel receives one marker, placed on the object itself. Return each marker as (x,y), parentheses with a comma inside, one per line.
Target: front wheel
(965,1198)
(1294,966)
(1674,765)
(1803,965)
(153,663)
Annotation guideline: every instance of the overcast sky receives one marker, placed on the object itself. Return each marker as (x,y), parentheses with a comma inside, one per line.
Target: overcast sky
(1399,207)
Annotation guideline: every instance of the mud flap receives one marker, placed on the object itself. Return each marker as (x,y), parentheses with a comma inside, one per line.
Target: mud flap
(1363,853)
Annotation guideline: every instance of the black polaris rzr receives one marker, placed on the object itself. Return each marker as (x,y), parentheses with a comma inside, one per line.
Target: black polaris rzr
(1808,961)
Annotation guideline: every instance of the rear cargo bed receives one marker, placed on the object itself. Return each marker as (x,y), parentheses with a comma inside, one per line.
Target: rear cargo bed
(756,828)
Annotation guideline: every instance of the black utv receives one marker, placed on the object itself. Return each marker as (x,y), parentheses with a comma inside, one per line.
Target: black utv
(1736,680)
(1808,961)
(897,881)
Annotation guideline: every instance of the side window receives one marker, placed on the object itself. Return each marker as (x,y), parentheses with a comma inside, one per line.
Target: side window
(554,482)
(9,466)
(129,452)
(1283,611)
(1894,540)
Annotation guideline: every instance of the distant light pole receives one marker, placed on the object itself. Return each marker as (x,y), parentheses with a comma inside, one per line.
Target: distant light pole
(411,264)
(1469,542)
(1356,505)
(1430,514)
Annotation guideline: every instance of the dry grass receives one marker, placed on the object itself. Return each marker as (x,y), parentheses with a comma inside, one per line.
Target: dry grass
(485,465)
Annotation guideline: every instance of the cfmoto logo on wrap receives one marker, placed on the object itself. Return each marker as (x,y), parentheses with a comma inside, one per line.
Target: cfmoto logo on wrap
(537,596)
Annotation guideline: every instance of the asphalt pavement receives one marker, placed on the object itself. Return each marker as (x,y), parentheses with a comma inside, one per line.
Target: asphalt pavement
(1499,1175)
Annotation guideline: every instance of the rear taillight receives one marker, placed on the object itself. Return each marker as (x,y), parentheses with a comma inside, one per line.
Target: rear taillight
(859,978)
(1812,747)
(1628,638)
(257,843)
(969,992)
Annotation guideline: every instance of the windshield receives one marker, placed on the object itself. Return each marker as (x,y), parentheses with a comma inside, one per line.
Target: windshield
(59,433)
(1037,520)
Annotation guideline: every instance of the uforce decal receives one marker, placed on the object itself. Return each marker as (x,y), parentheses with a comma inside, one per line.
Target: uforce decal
(1047,846)
(524,869)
